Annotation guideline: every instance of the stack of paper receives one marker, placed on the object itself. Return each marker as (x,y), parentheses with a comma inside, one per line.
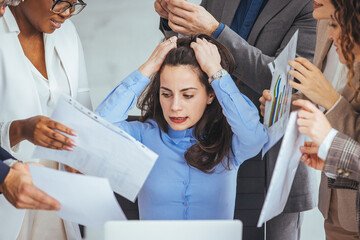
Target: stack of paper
(102,150)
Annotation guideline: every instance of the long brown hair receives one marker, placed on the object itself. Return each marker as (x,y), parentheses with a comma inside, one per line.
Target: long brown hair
(347,14)
(212,131)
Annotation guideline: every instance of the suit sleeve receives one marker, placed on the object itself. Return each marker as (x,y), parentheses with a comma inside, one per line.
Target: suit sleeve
(345,119)
(252,64)
(115,107)
(343,158)
(4,169)
(243,117)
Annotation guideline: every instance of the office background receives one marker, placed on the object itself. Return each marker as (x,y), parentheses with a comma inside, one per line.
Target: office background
(118,36)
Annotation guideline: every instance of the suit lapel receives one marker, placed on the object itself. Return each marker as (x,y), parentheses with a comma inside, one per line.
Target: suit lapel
(67,60)
(269,11)
(229,10)
(349,93)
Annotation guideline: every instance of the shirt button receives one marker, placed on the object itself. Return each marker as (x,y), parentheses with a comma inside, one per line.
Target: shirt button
(184,182)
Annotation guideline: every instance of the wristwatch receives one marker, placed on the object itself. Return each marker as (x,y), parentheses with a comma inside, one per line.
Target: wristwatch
(218,75)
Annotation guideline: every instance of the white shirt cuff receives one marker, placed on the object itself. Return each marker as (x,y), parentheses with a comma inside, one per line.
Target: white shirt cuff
(326,144)
(11,162)
(5,139)
(325,147)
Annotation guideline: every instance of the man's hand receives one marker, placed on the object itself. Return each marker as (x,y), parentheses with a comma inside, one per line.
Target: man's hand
(20,191)
(265,97)
(161,8)
(190,19)
(310,157)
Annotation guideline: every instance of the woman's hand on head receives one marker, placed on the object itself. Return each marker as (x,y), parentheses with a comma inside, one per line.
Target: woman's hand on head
(312,121)
(313,83)
(207,55)
(42,131)
(153,64)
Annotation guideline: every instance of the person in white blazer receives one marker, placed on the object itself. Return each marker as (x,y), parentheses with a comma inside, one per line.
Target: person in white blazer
(37,66)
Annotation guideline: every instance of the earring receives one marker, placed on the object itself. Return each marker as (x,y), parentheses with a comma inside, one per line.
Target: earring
(210,102)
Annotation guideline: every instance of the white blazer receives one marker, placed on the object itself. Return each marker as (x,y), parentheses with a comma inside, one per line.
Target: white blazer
(19,98)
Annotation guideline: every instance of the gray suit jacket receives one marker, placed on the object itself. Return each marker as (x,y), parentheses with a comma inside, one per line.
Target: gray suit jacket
(271,32)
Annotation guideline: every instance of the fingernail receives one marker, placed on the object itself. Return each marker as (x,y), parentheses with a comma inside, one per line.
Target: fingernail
(69,148)
(73,133)
(73,143)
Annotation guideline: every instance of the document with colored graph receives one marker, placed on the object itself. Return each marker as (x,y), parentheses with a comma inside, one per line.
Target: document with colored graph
(277,111)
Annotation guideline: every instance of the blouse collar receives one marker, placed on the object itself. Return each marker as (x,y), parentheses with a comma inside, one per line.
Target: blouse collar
(10,21)
(181,136)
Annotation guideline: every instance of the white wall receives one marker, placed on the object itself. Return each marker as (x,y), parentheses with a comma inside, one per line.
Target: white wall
(118,36)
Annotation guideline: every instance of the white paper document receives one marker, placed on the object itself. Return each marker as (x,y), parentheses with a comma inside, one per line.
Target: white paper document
(84,199)
(284,172)
(277,111)
(102,150)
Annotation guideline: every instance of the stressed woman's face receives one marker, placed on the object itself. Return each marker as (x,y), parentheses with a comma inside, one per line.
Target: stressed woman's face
(183,98)
(37,13)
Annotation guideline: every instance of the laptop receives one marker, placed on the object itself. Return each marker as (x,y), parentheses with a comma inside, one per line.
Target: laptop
(174,230)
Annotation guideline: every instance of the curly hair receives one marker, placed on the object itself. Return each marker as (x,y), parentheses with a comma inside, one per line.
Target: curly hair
(212,131)
(347,14)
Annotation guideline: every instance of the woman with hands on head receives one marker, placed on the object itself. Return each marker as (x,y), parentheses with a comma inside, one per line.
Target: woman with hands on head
(196,120)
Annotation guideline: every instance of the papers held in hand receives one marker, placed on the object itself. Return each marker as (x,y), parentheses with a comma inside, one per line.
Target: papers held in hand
(84,199)
(284,172)
(278,109)
(102,149)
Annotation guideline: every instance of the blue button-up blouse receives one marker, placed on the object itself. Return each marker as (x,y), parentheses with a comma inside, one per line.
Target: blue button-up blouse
(175,190)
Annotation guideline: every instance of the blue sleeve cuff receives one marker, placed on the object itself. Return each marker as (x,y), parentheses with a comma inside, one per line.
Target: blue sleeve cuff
(4,170)
(165,24)
(224,87)
(218,31)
